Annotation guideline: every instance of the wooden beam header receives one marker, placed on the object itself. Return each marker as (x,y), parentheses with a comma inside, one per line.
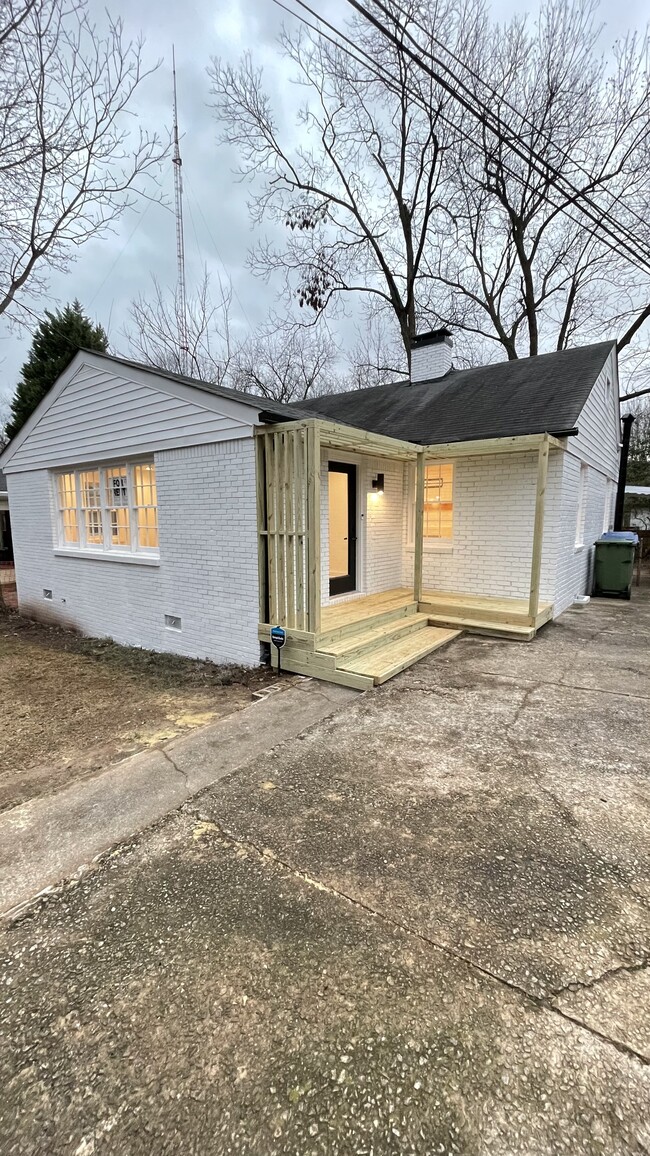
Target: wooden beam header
(524,443)
(334,435)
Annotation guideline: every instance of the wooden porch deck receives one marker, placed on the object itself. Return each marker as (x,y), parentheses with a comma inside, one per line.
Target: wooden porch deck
(366,640)
(468,611)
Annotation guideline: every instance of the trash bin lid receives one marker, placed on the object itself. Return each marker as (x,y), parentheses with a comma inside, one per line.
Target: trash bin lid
(620,536)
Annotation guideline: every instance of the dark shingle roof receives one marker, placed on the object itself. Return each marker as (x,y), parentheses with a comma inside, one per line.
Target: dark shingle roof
(543,394)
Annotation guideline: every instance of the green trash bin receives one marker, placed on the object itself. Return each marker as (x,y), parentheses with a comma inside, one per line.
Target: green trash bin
(614,564)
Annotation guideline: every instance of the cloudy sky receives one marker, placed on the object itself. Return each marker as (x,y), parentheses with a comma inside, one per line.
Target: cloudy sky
(111,271)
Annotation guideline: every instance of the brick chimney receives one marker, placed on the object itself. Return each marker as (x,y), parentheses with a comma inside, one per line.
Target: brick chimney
(431,355)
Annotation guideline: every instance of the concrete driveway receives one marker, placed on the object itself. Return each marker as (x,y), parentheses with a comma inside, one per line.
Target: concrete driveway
(422,926)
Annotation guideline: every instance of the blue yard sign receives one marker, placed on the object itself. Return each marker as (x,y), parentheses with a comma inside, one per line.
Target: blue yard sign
(278,638)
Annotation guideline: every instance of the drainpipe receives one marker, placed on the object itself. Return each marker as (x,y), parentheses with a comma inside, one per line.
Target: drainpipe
(622,471)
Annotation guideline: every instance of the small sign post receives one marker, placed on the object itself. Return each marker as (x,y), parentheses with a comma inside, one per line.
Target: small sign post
(278,638)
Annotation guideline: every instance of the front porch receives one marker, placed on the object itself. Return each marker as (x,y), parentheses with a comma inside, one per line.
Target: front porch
(365,641)
(366,636)
(469,611)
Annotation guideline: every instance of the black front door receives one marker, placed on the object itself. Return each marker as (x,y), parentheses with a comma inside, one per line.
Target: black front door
(342,495)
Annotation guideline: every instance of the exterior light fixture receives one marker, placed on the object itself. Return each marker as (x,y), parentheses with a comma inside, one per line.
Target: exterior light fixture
(378,484)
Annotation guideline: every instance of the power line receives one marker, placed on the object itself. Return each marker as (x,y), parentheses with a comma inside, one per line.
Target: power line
(518,147)
(526,120)
(216,249)
(358,54)
(125,246)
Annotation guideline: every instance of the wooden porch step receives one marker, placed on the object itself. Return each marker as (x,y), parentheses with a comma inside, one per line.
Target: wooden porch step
(481,608)
(367,622)
(382,663)
(367,639)
(480,626)
(484,609)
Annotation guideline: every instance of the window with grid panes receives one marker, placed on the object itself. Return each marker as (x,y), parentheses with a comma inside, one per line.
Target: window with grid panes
(438,501)
(110,508)
(67,494)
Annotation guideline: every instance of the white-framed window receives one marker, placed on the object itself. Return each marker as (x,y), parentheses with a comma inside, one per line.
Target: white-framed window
(582,505)
(111,508)
(438,501)
(438,521)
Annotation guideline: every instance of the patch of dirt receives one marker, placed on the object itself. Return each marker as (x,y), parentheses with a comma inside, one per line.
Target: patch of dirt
(72,705)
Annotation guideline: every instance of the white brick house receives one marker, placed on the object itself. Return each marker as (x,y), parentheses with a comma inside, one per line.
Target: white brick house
(177,516)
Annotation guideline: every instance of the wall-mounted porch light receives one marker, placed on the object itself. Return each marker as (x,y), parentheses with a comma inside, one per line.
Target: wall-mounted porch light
(378,484)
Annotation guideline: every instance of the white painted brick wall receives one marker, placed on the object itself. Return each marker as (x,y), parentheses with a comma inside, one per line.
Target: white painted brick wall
(208,561)
(491,549)
(208,547)
(597,445)
(379,529)
(494,510)
(575,569)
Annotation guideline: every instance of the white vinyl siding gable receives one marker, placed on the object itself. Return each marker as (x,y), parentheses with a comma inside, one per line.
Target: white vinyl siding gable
(599,433)
(108,412)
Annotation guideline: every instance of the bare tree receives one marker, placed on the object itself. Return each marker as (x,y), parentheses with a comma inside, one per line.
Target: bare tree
(377,356)
(357,198)
(154,333)
(394,192)
(518,265)
(286,364)
(5,414)
(638,470)
(68,163)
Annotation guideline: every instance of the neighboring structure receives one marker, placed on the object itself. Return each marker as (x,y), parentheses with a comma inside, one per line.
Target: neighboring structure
(637,507)
(176,515)
(6,549)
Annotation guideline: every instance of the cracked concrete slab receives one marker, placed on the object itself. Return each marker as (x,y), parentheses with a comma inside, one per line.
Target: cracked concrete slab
(420,925)
(195,996)
(508,822)
(617,1004)
(429,806)
(47,839)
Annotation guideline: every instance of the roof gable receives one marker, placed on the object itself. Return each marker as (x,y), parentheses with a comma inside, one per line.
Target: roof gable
(101,408)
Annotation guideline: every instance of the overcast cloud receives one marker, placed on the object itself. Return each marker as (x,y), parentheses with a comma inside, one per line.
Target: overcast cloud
(111,271)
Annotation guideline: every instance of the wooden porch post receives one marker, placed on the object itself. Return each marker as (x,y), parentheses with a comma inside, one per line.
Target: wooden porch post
(419,526)
(313,528)
(538,531)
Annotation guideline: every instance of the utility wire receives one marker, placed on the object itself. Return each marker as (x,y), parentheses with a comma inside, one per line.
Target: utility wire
(216,249)
(476,109)
(358,54)
(140,219)
(525,120)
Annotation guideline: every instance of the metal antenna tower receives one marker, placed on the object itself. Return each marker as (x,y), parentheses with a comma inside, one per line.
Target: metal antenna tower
(181,293)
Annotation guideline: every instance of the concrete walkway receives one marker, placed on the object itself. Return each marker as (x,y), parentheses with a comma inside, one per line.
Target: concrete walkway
(422,925)
(50,838)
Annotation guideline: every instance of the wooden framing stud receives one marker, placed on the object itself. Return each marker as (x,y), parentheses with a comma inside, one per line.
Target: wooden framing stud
(313,528)
(419,526)
(538,530)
